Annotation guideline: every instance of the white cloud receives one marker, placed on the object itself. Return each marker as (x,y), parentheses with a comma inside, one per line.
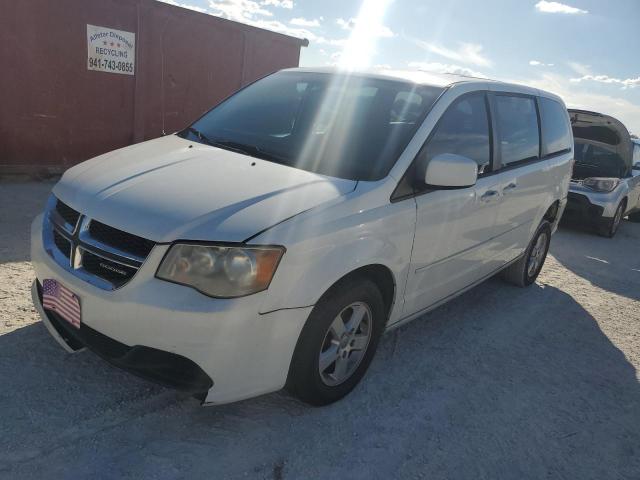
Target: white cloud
(346,24)
(576,97)
(334,42)
(184,5)
(303,22)
(470,53)
(279,3)
(625,83)
(586,74)
(279,27)
(580,68)
(376,30)
(238,10)
(536,63)
(437,67)
(557,7)
(253,13)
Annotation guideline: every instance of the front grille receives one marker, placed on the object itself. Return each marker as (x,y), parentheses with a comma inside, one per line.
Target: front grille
(576,198)
(113,272)
(124,241)
(67,213)
(62,243)
(580,206)
(97,253)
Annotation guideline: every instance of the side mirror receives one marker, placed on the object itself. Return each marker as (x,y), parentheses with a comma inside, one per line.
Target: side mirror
(450,170)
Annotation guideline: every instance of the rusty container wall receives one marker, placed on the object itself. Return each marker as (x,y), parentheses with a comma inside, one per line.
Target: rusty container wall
(56,113)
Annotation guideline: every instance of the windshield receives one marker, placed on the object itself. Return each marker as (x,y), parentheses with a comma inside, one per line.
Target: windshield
(336,125)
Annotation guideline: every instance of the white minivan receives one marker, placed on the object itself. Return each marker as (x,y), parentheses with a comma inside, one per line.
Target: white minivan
(273,241)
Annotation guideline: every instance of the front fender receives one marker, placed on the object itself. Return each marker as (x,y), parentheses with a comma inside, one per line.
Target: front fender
(319,253)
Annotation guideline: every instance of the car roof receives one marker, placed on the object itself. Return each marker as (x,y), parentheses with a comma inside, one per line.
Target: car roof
(421,77)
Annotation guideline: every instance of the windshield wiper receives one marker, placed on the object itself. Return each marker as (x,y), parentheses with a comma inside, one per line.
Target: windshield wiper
(201,136)
(251,150)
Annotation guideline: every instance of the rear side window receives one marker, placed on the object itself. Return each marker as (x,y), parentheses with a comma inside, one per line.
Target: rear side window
(556,133)
(517,121)
(463,130)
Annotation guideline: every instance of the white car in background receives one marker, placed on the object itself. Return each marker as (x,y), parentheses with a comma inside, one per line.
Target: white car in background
(272,242)
(605,184)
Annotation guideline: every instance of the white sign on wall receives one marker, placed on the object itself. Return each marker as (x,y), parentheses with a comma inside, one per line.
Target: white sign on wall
(110,50)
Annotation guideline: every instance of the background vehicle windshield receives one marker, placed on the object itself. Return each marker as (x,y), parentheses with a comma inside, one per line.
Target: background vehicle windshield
(337,125)
(597,161)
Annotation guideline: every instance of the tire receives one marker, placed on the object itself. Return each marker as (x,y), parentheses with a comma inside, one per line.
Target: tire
(522,273)
(320,337)
(610,228)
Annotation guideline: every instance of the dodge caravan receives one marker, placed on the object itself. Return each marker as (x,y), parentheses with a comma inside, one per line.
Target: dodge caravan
(273,241)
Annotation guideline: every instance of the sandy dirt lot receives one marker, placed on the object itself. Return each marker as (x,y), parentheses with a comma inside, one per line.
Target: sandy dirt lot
(500,383)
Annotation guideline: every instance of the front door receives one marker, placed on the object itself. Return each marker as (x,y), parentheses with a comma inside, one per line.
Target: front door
(455,241)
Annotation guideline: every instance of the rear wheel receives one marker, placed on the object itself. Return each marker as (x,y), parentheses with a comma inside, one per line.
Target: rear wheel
(525,271)
(610,229)
(337,343)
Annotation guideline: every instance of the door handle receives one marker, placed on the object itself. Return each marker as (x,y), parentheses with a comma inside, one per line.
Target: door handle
(508,188)
(488,195)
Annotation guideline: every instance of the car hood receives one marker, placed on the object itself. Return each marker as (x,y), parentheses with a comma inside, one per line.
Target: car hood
(170,188)
(610,136)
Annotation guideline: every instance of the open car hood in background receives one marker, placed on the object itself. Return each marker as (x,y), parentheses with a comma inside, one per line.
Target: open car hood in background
(605,132)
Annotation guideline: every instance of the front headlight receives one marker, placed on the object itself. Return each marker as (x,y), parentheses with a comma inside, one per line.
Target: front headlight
(220,270)
(601,184)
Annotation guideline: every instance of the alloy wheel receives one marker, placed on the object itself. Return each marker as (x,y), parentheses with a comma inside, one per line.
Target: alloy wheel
(345,344)
(536,257)
(616,220)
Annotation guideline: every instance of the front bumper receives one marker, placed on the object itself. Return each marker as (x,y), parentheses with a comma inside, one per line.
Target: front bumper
(580,208)
(165,368)
(243,353)
(591,205)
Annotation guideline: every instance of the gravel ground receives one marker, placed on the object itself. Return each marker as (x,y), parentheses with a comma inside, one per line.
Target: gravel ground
(500,383)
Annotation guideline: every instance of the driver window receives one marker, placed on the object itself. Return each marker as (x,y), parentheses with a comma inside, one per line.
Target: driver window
(463,130)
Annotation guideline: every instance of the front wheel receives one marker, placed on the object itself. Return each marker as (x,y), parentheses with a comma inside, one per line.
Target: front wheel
(337,343)
(611,227)
(525,271)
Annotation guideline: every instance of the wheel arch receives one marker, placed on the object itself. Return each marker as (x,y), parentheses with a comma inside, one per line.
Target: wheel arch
(625,201)
(379,274)
(551,214)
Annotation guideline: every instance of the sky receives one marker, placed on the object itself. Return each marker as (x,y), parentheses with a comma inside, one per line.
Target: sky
(586,51)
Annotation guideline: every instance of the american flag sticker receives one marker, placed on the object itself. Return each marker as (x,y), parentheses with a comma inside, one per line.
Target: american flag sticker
(61,300)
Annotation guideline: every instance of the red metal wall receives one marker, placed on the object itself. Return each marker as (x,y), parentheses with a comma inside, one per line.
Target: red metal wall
(55,113)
